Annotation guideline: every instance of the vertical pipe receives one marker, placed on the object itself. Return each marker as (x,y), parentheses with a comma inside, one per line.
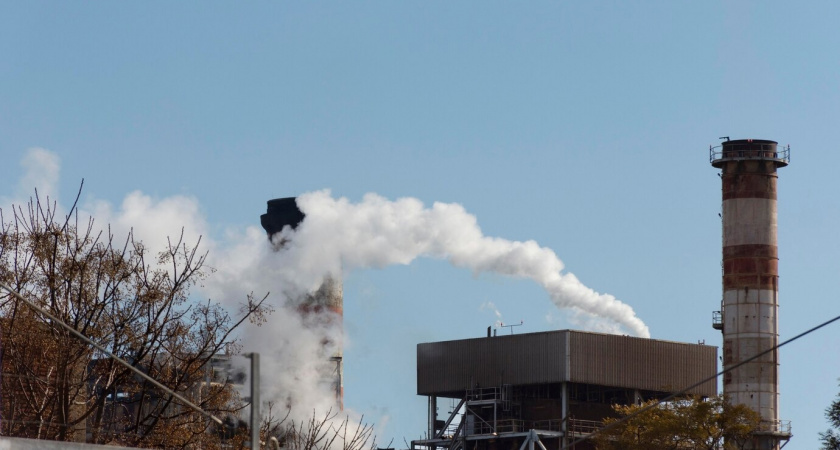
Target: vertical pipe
(564,413)
(339,389)
(432,416)
(255,400)
(466,429)
(207,369)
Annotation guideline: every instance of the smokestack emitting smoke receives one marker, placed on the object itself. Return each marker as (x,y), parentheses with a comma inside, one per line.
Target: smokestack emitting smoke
(336,235)
(327,300)
(329,236)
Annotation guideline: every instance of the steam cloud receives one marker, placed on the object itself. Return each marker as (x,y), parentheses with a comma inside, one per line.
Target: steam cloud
(339,235)
(336,236)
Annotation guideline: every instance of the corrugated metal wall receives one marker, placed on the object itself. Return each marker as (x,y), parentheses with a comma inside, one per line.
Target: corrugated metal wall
(453,366)
(450,367)
(637,363)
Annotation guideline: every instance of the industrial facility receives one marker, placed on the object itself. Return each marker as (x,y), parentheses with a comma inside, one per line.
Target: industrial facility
(554,388)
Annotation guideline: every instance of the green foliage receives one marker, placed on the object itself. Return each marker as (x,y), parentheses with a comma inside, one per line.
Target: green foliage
(831,438)
(684,424)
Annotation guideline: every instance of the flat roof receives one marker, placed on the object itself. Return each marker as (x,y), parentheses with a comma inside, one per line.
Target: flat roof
(448,368)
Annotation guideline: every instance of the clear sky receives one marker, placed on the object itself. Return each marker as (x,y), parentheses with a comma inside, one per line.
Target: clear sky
(582,125)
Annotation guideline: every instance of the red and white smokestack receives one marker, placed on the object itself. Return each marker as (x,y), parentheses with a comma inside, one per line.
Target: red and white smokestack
(328,299)
(749,310)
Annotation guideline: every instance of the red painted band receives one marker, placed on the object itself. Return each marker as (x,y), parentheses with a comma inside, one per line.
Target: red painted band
(749,185)
(751,281)
(750,251)
(743,266)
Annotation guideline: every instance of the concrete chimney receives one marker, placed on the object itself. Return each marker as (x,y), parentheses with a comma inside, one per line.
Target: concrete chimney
(749,310)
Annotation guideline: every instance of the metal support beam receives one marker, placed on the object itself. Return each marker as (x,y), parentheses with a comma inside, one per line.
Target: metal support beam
(452,416)
(532,439)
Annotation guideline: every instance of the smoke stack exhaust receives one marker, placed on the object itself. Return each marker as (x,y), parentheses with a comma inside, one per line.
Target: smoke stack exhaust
(282,212)
(749,309)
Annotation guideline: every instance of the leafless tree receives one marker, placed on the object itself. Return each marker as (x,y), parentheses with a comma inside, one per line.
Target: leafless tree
(133,302)
(327,431)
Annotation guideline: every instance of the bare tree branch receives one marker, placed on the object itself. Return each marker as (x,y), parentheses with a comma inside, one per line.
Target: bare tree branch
(55,386)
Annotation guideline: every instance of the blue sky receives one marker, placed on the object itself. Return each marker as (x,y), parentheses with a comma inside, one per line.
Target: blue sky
(582,125)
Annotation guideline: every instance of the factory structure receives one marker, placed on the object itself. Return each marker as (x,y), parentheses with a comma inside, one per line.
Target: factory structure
(550,388)
(555,388)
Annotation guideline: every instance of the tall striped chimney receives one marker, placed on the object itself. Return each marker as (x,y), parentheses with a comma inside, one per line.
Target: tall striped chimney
(327,299)
(749,310)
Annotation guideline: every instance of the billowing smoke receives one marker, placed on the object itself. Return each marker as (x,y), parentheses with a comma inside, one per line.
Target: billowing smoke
(340,235)
(336,236)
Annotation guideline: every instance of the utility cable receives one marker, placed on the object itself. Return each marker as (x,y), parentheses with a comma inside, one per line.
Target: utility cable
(703,381)
(116,358)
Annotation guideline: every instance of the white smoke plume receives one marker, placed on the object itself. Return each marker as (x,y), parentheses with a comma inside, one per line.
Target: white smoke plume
(492,307)
(339,235)
(336,236)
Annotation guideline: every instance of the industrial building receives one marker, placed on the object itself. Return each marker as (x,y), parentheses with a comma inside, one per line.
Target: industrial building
(554,386)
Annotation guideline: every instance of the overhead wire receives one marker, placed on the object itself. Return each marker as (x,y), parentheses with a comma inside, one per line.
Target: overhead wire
(683,391)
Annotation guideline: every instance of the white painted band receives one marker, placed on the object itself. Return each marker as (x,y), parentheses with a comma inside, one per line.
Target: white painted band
(751,313)
(765,402)
(749,221)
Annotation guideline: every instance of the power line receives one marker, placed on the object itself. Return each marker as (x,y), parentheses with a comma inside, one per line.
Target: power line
(102,349)
(705,380)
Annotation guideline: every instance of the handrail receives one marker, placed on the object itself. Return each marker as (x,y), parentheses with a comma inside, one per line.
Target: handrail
(781,153)
(502,426)
(775,426)
(549,425)
(584,426)
(483,393)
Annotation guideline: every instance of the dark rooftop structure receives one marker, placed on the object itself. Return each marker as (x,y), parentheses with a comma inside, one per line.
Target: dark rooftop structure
(551,386)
